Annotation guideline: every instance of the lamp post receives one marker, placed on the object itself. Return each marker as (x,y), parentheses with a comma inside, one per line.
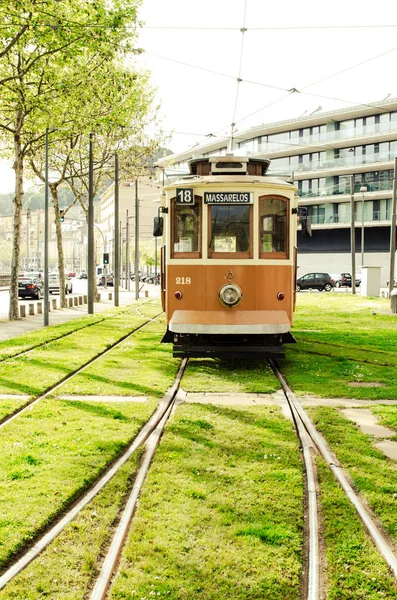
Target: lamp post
(363,189)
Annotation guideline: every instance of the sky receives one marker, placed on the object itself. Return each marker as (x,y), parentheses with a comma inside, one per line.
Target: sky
(335,54)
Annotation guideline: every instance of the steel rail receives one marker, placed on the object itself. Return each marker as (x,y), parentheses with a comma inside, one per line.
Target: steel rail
(51,389)
(377,536)
(101,587)
(313,578)
(140,439)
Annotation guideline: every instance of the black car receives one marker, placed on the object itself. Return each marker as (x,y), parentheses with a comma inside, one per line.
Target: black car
(315,281)
(30,287)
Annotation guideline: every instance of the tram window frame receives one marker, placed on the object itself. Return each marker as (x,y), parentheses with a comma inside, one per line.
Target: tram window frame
(280,255)
(233,255)
(197,206)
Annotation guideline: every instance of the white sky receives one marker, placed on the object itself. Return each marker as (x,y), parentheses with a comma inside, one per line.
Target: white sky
(351,65)
(199,102)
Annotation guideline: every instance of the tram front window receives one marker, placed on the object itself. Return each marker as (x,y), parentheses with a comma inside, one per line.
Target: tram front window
(187,229)
(273,227)
(230,230)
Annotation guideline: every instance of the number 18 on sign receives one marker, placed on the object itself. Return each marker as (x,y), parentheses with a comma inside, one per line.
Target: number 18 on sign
(184,196)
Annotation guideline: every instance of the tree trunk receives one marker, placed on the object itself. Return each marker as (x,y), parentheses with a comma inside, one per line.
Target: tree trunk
(58,228)
(18,166)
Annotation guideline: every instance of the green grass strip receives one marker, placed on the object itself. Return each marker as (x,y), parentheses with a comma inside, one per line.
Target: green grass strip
(65,569)
(221,511)
(354,567)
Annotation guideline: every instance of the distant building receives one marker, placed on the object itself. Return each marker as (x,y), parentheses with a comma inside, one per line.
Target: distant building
(148,194)
(320,153)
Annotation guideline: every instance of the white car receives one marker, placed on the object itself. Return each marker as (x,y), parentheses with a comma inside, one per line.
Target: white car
(53,284)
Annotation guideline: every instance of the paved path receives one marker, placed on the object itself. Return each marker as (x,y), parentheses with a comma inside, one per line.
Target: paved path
(11,329)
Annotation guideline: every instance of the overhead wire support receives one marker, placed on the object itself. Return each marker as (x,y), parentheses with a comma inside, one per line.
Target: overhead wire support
(239,80)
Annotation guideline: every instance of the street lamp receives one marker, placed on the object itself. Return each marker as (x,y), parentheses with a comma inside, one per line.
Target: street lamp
(363,189)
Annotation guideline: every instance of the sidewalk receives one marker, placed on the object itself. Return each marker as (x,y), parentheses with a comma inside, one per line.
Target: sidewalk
(11,329)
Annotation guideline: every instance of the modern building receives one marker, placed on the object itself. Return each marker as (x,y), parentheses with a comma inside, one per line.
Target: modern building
(323,153)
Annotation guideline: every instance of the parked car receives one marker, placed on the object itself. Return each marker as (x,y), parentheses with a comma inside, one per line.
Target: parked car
(53,284)
(82,275)
(345,280)
(316,281)
(30,287)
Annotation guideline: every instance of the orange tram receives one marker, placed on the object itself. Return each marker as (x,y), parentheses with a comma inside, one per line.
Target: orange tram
(228,258)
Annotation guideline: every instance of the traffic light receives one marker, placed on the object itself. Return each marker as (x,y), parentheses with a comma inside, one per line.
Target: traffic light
(106,258)
(61,216)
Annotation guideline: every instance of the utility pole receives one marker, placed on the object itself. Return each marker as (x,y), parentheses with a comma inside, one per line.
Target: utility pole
(127,255)
(393,230)
(90,223)
(46,308)
(136,241)
(116,232)
(352,234)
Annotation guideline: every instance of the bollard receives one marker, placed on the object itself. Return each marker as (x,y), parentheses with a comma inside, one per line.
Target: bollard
(80,300)
(39,308)
(31,309)
(54,303)
(146,293)
(75,301)
(393,301)
(110,296)
(22,311)
(70,301)
(85,299)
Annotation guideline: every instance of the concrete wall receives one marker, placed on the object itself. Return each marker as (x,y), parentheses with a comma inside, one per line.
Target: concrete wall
(341,263)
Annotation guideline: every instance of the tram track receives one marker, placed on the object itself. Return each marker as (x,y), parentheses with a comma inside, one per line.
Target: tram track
(10,417)
(311,443)
(152,429)
(311,438)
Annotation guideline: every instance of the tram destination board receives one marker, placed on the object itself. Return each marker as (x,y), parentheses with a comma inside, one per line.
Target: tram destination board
(227,197)
(185,196)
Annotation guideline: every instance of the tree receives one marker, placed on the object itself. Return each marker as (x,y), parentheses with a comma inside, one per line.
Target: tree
(42,47)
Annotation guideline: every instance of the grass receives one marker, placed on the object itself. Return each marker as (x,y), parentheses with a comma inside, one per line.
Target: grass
(339,342)
(65,569)
(47,365)
(221,515)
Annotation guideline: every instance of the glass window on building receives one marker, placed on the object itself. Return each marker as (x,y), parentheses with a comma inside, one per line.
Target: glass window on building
(347,128)
(279,165)
(344,212)
(369,153)
(384,209)
(318,214)
(386,180)
(230,231)
(273,236)
(384,122)
(278,140)
(186,229)
(369,124)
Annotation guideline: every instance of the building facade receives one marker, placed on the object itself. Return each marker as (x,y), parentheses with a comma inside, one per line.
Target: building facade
(324,153)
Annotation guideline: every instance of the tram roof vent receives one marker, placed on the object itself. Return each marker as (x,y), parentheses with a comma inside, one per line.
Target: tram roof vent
(229,165)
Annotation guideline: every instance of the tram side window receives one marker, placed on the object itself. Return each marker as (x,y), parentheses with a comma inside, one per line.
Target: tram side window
(230,230)
(187,229)
(273,221)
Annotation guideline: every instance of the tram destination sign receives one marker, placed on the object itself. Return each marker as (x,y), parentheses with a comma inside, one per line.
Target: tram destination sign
(228,197)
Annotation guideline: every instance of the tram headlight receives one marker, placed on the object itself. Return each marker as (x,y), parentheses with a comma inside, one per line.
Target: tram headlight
(230,295)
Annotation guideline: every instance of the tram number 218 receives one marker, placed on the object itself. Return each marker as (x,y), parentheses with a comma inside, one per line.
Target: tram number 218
(184,196)
(183,280)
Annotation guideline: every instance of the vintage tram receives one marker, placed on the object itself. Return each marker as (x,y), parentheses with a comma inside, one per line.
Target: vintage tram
(228,258)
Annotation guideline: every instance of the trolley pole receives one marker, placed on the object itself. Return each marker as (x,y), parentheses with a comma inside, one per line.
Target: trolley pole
(116,232)
(90,223)
(352,234)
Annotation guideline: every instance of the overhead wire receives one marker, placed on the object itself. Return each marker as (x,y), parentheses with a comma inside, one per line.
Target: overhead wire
(239,80)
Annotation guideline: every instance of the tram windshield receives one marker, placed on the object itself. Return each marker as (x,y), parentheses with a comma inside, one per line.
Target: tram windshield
(230,229)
